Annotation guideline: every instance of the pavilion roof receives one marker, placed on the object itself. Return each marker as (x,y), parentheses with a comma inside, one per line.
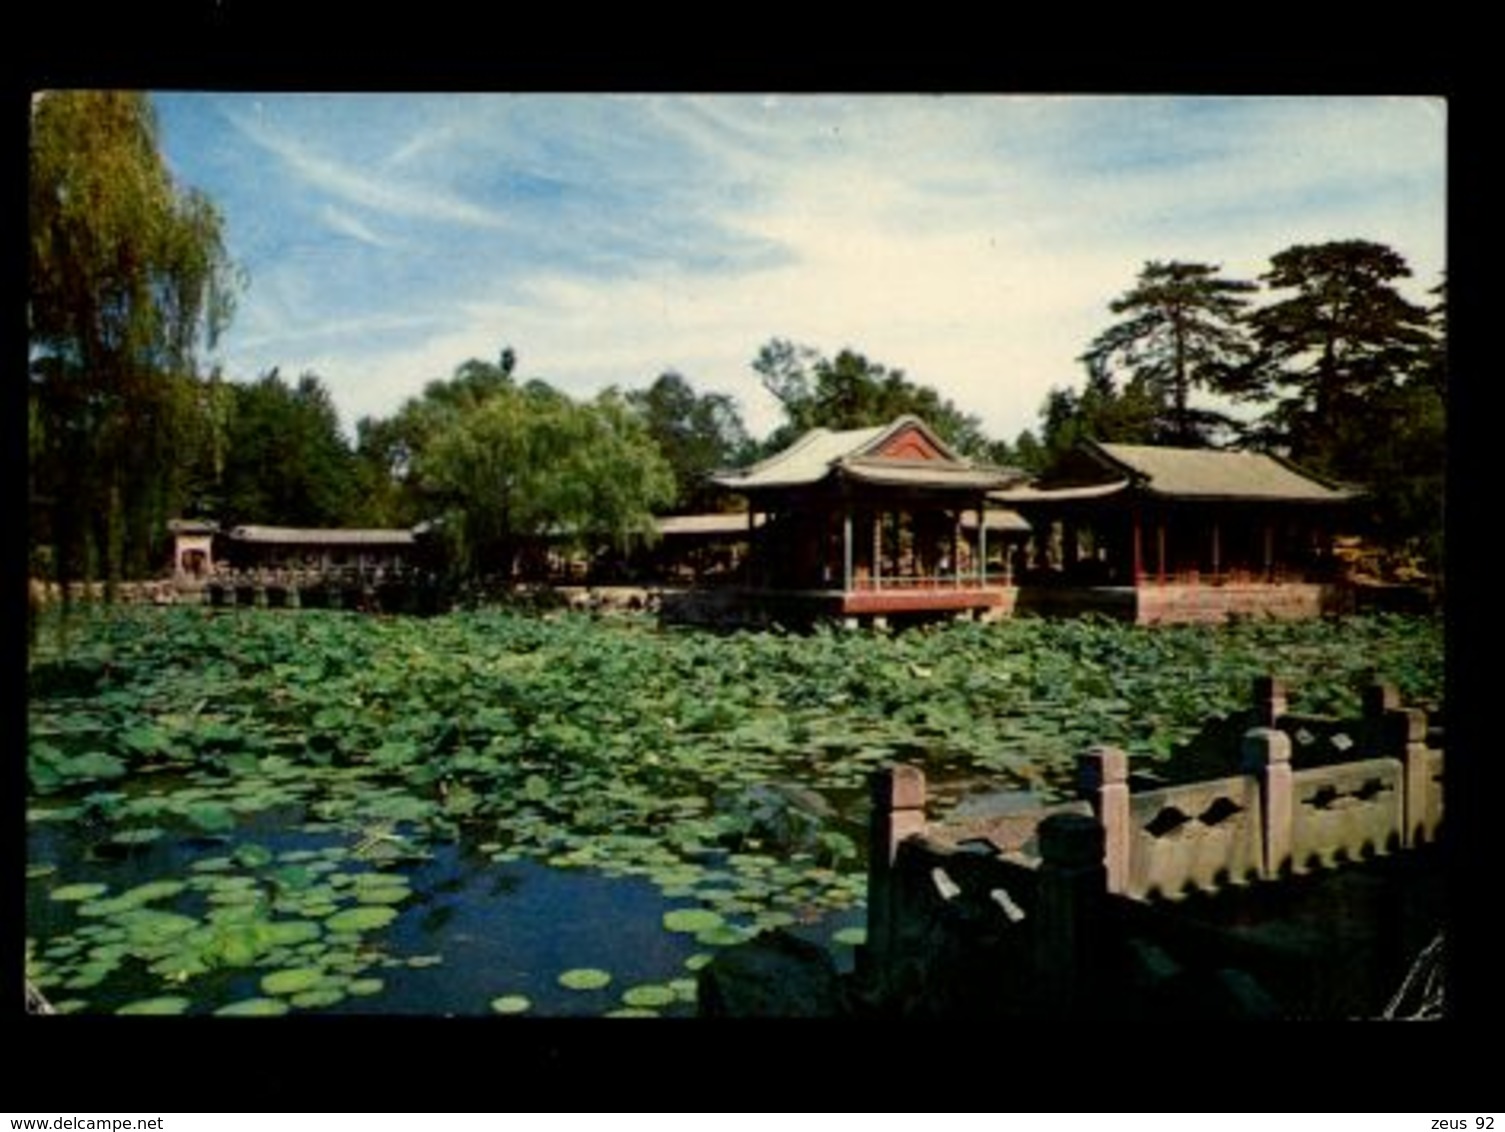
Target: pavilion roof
(1178,473)
(1200,473)
(856,454)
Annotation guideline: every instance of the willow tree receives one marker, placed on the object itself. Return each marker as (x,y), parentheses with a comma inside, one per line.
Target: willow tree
(129,281)
(528,463)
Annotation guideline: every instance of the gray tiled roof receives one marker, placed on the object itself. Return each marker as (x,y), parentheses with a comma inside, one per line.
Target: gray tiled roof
(312,536)
(808,460)
(1192,473)
(822,452)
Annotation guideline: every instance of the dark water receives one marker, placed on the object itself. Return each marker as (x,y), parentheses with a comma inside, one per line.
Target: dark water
(473,929)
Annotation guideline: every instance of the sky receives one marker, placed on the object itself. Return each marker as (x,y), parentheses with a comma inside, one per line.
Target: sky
(973,242)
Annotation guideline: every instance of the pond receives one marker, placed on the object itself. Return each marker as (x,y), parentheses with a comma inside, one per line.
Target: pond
(310,811)
(278,915)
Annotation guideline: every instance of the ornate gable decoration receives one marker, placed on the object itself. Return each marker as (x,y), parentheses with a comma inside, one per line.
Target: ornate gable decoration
(909,443)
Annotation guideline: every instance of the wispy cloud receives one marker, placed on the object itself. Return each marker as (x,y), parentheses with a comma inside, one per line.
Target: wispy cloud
(347,225)
(973,242)
(379,191)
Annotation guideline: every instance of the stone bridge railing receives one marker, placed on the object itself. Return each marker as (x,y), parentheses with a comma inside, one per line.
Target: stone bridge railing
(1306,793)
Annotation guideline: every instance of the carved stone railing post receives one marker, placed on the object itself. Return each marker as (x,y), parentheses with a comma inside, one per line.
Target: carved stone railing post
(1405,738)
(1103,780)
(1269,700)
(1070,898)
(898,797)
(1266,753)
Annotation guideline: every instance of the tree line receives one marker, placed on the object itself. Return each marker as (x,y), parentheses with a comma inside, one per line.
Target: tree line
(130,283)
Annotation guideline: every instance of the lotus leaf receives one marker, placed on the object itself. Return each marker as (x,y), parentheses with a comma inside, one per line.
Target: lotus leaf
(152,890)
(363,918)
(210,818)
(143,836)
(648,995)
(724,935)
(692,920)
(584,978)
(252,856)
(292,980)
(167,1004)
(511,1004)
(317,998)
(78,892)
(289,933)
(253,1007)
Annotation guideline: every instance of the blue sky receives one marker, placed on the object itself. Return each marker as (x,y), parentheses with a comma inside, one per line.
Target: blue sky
(973,242)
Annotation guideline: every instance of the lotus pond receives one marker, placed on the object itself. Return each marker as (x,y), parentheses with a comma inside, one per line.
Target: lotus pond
(262,812)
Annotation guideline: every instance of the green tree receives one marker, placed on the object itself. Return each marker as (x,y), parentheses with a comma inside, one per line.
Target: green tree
(529,462)
(695,433)
(1183,331)
(287,462)
(128,281)
(389,448)
(849,391)
(1329,350)
(1101,411)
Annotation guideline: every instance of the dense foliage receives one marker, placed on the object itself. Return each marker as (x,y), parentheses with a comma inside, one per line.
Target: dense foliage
(1182,331)
(1342,373)
(728,771)
(849,391)
(696,433)
(127,279)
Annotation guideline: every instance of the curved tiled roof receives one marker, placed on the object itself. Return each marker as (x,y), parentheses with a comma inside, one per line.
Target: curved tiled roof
(313,536)
(854,454)
(1198,473)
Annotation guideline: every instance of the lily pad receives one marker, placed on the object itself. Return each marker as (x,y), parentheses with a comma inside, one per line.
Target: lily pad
(584,978)
(850,937)
(253,1008)
(317,998)
(35,871)
(692,920)
(152,890)
(511,1004)
(649,995)
(142,836)
(367,917)
(697,961)
(252,856)
(290,933)
(167,1004)
(724,935)
(78,892)
(364,987)
(632,1012)
(293,980)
